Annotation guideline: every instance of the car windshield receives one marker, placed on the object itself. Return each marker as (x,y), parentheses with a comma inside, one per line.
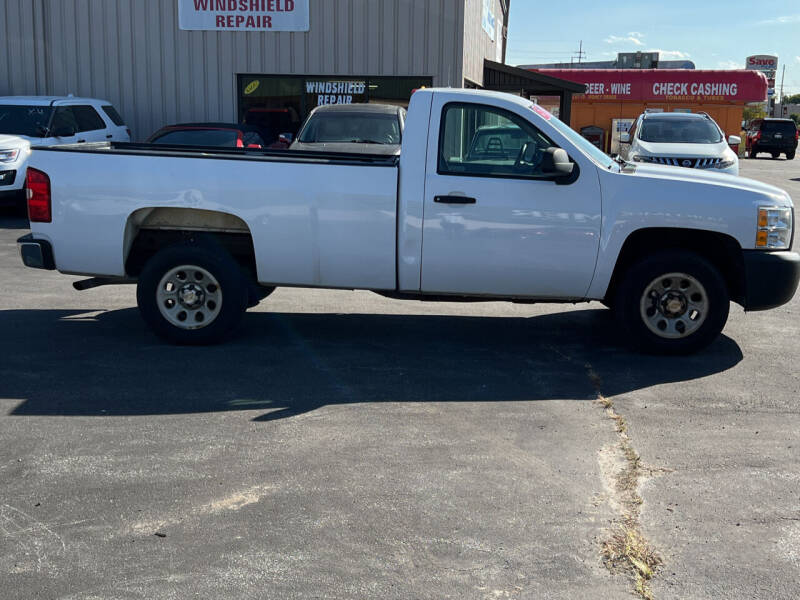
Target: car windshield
(366,128)
(784,127)
(16,119)
(679,131)
(587,147)
(199,137)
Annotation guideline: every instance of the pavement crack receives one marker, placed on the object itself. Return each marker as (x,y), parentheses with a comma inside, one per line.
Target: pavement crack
(626,549)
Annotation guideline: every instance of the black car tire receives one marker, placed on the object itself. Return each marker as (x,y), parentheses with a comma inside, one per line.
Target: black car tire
(636,290)
(790,155)
(775,154)
(209,269)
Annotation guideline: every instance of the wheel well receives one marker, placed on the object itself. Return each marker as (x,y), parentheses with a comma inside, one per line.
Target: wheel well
(151,229)
(721,250)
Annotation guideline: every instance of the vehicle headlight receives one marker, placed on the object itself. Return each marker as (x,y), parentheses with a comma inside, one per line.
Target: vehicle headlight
(9,156)
(642,158)
(724,164)
(774,227)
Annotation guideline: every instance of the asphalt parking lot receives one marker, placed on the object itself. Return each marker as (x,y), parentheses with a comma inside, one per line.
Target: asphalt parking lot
(344,445)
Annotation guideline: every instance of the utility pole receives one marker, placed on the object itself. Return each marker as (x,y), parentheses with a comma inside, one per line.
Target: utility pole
(580,52)
(783,76)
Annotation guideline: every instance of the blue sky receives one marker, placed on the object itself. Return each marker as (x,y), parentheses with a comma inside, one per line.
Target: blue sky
(715,35)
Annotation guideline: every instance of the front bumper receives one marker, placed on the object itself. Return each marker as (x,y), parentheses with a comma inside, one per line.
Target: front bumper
(37,254)
(771,278)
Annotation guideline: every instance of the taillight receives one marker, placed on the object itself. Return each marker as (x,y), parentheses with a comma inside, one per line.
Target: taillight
(758,136)
(38,191)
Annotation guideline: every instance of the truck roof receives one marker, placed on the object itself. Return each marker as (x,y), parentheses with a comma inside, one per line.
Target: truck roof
(508,97)
(47,100)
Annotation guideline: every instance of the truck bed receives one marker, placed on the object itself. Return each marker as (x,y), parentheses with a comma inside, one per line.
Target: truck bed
(216,152)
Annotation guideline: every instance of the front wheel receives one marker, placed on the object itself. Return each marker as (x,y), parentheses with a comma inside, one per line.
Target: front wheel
(673,302)
(191,294)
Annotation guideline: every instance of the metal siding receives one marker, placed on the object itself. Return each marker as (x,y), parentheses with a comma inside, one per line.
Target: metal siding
(132,53)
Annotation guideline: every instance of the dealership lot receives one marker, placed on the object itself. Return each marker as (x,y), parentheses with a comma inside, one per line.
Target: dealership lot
(344,445)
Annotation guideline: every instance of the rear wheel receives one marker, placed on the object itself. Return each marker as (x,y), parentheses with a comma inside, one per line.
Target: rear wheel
(775,154)
(192,294)
(790,155)
(673,302)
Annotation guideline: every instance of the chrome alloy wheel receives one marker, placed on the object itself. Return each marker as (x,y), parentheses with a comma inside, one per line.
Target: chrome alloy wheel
(674,305)
(189,297)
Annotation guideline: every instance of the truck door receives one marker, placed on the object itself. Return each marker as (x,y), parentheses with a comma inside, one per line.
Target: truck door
(494,224)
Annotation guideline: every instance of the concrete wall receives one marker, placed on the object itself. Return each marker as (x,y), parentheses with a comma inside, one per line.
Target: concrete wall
(132,53)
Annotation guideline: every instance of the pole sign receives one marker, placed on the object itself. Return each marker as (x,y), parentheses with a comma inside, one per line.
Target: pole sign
(243,15)
(765,63)
(488,18)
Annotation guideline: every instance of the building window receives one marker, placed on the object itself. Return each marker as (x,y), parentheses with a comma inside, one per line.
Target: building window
(279,103)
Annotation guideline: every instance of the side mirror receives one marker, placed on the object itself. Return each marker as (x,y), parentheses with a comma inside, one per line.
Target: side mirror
(286,138)
(734,139)
(63,131)
(556,161)
(624,138)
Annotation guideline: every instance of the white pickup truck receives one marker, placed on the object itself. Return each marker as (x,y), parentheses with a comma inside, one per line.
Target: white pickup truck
(491,198)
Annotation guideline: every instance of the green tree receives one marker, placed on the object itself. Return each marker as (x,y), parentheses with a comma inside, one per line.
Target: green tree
(796,119)
(793,99)
(753,112)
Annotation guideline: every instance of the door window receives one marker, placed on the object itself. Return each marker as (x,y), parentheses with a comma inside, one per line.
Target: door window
(88,119)
(64,119)
(486,141)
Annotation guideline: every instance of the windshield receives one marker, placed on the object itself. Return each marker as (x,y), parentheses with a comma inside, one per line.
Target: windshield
(352,127)
(200,137)
(679,131)
(784,127)
(581,142)
(17,119)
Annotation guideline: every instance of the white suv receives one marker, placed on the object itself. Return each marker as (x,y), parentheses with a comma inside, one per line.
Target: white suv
(691,140)
(49,121)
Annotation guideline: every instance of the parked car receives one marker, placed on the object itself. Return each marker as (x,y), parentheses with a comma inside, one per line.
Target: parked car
(230,135)
(48,121)
(369,128)
(690,140)
(206,234)
(774,136)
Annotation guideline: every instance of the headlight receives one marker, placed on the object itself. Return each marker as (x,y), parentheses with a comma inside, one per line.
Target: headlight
(640,158)
(9,156)
(724,164)
(774,227)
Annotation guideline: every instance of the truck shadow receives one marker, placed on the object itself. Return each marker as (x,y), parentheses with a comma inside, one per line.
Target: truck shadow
(74,362)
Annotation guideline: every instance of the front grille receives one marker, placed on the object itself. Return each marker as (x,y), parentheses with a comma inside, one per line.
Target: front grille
(7,177)
(690,163)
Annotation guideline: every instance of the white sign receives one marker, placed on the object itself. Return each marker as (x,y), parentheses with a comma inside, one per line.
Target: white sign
(243,15)
(487,19)
(762,62)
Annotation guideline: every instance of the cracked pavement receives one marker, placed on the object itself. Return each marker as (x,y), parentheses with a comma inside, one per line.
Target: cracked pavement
(345,445)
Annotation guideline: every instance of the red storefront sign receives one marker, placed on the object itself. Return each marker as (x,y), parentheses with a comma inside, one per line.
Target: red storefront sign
(673,85)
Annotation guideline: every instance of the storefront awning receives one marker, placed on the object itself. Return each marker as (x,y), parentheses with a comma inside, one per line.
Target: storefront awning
(666,85)
(505,78)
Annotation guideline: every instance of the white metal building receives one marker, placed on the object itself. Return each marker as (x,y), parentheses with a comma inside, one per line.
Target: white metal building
(140,55)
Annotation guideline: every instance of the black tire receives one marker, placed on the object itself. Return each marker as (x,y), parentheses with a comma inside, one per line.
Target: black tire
(753,152)
(790,155)
(630,302)
(231,292)
(775,154)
